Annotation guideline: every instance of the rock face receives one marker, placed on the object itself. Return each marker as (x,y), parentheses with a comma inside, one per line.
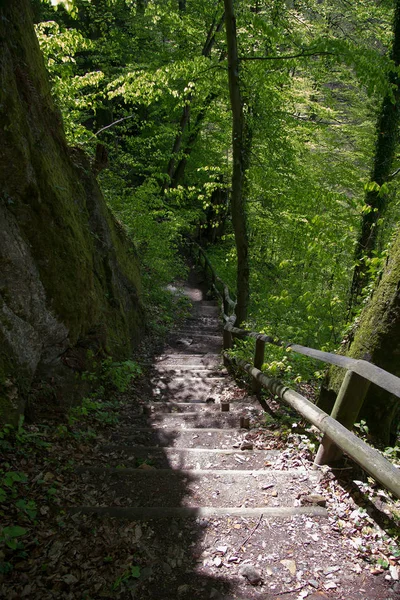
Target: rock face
(69,278)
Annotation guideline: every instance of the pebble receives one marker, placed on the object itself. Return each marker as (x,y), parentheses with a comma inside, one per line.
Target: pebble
(183,589)
(314,499)
(246,445)
(251,574)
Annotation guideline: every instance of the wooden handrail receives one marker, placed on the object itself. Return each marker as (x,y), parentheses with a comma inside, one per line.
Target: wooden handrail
(337,437)
(369,371)
(364,455)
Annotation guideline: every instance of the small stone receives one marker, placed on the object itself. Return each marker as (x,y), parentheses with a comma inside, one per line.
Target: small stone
(245,445)
(70,579)
(233,559)
(251,574)
(313,583)
(330,570)
(330,585)
(314,499)
(217,561)
(146,467)
(183,589)
(290,565)
(222,549)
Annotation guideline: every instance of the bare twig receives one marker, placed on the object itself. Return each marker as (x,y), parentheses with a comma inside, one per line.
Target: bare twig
(289,56)
(252,531)
(115,123)
(292,591)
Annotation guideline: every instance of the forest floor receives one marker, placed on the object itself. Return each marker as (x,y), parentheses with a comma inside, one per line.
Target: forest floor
(337,540)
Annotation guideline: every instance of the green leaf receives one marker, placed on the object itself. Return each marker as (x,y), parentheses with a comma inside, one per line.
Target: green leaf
(135,571)
(14,477)
(372,186)
(14,531)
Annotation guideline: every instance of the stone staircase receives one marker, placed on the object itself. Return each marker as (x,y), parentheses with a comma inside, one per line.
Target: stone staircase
(186,471)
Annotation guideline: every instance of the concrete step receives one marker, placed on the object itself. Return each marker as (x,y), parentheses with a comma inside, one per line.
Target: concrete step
(180,438)
(196,512)
(173,360)
(196,347)
(197,328)
(179,407)
(201,310)
(190,371)
(208,487)
(188,458)
(160,421)
(201,420)
(188,389)
(195,336)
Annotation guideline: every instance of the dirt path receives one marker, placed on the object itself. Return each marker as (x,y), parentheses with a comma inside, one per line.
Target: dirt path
(176,500)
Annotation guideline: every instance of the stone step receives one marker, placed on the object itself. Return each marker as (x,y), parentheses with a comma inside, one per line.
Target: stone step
(201,420)
(209,360)
(179,407)
(196,347)
(188,390)
(188,458)
(206,310)
(180,438)
(178,383)
(194,336)
(212,488)
(180,421)
(184,512)
(199,329)
(201,406)
(190,371)
(203,322)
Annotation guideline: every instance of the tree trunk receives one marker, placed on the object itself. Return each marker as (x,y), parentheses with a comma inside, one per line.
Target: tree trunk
(238,169)
(173,177)
(179,172)
(377,340)
(385,150)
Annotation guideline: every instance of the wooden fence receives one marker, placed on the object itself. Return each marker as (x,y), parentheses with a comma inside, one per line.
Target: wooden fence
(336,427)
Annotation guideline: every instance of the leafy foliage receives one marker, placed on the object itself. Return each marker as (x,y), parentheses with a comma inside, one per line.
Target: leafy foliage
(312,77)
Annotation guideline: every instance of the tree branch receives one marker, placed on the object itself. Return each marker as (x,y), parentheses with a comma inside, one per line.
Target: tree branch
(115,123)
(288,56)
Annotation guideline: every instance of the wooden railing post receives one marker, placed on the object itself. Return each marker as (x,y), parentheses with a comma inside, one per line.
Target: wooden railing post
(258,363)
(228,343)
(346,409)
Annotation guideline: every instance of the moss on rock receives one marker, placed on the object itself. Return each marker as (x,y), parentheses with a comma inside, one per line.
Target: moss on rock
(377,340)
(68,276)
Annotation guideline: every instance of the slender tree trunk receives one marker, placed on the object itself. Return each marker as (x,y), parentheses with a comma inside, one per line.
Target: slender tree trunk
(238,170)
(141,6)
(177,175)
(171,178)
(178,141)
(386,144)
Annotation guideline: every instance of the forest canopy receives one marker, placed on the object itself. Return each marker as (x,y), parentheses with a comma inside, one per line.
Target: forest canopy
(144,88)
